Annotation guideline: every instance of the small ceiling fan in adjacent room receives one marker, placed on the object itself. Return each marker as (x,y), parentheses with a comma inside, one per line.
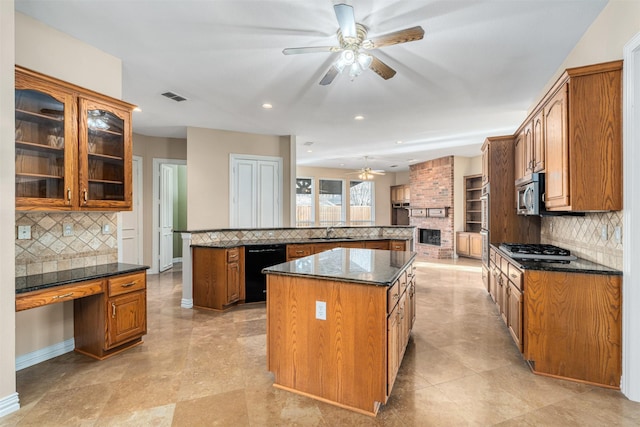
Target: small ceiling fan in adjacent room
(366,173)
(355,47)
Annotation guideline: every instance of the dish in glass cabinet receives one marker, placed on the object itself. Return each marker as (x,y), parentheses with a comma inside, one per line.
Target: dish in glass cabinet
(18,134)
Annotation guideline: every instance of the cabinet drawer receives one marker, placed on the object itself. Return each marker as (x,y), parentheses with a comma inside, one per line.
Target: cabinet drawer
(233,254)
(297,251)
(129,283)
(515,276)
(393,296)
(398,246)
(58,294)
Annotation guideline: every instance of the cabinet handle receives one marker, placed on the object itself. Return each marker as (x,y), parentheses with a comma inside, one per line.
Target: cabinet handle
(128,285)
(299,252)
(62,296)
(113,310)
(69,194)
(84,195)
(396,296)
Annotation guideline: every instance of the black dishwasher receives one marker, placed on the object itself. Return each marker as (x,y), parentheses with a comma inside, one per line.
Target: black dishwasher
(256,258)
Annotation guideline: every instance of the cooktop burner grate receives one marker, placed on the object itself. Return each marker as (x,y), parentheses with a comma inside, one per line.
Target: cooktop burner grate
(536,252)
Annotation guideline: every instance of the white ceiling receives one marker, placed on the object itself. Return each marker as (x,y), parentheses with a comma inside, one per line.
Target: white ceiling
(479,67)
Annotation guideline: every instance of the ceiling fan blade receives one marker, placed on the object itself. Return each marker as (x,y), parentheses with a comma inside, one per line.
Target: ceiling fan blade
(377,172)
(381,69)
(346,20)
(317,49)
(331,74)
(402,36)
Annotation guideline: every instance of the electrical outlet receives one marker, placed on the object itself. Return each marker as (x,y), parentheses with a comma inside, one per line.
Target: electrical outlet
(24,232)
(106,228)
(618,234)
(67,229)
(321,310)
(604,232)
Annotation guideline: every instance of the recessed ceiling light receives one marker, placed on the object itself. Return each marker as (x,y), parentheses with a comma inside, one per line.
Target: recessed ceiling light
(267,106)
(309,151)
(358,117)
(308,143)
(393,166)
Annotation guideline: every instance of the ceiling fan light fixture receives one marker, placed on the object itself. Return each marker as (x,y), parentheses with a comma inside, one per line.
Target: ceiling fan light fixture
(364,60)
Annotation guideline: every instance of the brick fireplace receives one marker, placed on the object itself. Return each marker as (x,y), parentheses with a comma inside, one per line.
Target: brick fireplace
(432,187)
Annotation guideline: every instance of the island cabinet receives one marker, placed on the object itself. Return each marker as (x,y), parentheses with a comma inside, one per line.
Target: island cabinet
(73,146)
(335,336)
(218,277)
(583,138)
(110,313)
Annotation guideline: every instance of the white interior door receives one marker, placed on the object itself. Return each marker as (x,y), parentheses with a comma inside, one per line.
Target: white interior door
(131,233)
(166,216)
(256,185)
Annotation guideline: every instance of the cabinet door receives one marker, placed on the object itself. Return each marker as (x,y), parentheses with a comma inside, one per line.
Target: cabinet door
(233,282)
(126,317)
(520,161)
(104,160)
(557,151)
(514,319)
(475,245)
(485,163)
(462,244)
(538,153)
(406,194)
(46,145)
(393,343)
(528,148)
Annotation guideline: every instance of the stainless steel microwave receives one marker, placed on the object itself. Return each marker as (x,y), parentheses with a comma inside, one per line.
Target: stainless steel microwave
(530,195)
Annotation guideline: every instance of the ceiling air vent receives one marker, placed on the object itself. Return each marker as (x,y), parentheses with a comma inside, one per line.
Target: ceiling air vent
(174,96)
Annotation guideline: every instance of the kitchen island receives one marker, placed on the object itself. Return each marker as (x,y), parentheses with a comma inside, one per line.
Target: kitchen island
(338,323)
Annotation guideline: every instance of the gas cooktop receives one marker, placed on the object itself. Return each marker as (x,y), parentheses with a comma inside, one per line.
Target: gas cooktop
(537,252)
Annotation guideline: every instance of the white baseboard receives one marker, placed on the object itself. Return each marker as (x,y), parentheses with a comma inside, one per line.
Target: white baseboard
(177,260)
(186,303)
(43,354)
(9,404)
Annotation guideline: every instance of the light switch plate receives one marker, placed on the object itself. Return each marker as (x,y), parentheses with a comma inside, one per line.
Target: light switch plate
(24,232)
(67,229)
(321,310)
(106,228)
(604,232)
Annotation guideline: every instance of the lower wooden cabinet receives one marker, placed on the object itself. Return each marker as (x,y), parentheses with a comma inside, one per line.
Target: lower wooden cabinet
(115,320)
(218,277)
(469,244)
(506,286)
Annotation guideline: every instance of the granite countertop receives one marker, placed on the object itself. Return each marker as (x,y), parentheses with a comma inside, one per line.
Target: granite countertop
(37,282)
(577,266)
(368,266)
(289,241)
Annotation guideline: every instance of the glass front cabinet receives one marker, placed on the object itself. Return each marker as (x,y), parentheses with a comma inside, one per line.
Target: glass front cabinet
(73,147)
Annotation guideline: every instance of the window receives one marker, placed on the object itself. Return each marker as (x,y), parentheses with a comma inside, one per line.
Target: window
(361,211)
(332,209)
(305,202)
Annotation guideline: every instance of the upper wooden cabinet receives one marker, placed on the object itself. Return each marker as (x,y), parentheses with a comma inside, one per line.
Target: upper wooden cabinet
(73,146)
(520,156)
(576,139)
(400,194)
(530,149)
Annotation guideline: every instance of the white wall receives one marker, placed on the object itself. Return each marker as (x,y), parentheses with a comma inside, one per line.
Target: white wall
(382,187)
(8,397)
(46,50)
(208,153)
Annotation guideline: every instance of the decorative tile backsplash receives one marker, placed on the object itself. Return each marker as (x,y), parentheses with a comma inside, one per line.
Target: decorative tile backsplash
(583,236)
(48,250)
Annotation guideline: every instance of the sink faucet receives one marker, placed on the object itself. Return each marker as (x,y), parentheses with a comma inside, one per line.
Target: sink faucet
(331,229)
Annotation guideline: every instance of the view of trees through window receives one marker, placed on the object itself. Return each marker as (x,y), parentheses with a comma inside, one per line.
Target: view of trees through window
(361,211)
(305,211)
(331,202)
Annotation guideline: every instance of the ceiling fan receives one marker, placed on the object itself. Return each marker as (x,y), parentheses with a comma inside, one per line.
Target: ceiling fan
(355,46)
(366,173)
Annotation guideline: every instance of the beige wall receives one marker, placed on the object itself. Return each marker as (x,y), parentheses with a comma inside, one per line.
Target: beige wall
(382,187)
(604,40)
(44,49)
(7,197)
(208,153)
(402,178)
(462,166)
(149,148)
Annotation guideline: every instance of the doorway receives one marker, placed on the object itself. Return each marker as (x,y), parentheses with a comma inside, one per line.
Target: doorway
(169,212)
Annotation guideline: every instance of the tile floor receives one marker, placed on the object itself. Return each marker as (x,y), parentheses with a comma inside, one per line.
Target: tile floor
(202,368)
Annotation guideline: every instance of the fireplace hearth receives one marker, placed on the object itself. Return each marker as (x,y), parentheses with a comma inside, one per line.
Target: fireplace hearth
(429,236)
